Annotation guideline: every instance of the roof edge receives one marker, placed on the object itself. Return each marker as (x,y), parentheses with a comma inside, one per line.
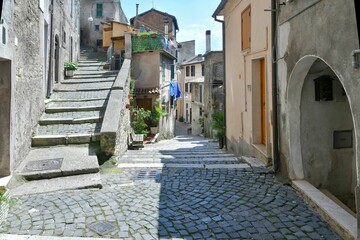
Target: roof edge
(219,8)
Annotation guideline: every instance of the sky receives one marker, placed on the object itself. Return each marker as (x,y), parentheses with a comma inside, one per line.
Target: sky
(194,18)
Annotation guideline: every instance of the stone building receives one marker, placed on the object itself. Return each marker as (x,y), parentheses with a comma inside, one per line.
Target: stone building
(248,82)
(318,93)
(192,71)
(213,88)
(153,20)
(93,13)
(36,38)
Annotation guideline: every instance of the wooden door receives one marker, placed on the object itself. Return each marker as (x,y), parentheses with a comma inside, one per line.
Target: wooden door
(145,103)
(263,100)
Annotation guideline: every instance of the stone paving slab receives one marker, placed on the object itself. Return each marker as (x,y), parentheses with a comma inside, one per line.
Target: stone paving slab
(77,159)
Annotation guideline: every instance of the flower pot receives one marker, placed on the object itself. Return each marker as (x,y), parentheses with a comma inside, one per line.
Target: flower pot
(69,73)
(128,106)
(130,97)
(154,35)
(154,130)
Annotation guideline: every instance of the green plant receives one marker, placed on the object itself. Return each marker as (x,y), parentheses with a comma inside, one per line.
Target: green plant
(219,124)
(156,113)
(138,123)
(132,86)
(70,66)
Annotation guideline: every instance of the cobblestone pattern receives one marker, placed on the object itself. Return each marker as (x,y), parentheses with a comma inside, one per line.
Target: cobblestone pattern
(64,129)
(73,115)
(78,103)
(182,203)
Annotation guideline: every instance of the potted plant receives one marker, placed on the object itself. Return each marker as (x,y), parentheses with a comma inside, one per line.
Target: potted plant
(218,125)
(155,116)
(138,121)
(70,67)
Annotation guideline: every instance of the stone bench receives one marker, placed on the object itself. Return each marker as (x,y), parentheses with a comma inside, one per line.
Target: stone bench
(135,141)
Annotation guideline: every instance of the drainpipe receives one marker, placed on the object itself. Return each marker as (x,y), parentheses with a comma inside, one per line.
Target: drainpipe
(354,53)
(48,90)
(275,140)
(224,65)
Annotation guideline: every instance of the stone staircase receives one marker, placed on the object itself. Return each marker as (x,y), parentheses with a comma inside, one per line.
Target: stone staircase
(76,107)
(66,140)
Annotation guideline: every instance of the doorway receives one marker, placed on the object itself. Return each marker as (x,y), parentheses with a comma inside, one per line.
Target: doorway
(5,97)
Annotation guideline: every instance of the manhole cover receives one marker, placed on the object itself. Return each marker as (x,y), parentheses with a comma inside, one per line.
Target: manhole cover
(102,228)
(46,164)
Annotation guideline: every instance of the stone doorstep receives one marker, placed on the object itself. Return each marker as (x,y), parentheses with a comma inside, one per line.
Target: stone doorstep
(74,109)
(50,121)
(343,222)
(83,181)
(76,160)
(83,89)
(52,140)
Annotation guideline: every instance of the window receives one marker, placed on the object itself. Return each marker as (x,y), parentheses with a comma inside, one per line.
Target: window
(186,87)
(97,27)
(200,112)
(246,28)
(201,93)
(3,35)
(324,88)
(193,71)
(99,10)
(99,42)
(172,71)
(64,36)
(71,8)
(187,71)
(202,70)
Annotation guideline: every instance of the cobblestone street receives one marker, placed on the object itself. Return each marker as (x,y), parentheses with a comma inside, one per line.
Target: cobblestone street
(199,193)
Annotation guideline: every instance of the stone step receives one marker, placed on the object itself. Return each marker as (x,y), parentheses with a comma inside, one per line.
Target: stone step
(84,85)
(71,117)
(79,103)
(87,80)
(83,181)
(59,161)
(71,138)
(84,95)
(84,89)
(74,109)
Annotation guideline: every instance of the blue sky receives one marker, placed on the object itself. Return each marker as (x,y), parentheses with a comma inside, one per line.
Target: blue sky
(194,18)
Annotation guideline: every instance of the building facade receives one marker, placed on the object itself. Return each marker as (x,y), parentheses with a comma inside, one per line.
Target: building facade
(248,83)
(319,104)
(36,38)
(192,72)
(93,13)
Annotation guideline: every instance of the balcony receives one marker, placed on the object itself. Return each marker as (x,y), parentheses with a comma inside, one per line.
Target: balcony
(151,41)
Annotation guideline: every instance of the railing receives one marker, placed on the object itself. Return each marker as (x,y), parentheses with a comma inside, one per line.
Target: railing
(145,42)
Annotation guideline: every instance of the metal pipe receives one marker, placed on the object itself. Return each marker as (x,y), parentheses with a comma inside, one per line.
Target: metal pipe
(224,65)
(136,18)
(48,90)
(354,55)
(275,117)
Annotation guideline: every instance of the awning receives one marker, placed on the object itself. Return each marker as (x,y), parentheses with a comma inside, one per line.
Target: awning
(196,80)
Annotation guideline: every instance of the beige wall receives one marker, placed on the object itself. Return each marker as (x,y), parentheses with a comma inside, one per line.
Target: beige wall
(242,79)
(145,69)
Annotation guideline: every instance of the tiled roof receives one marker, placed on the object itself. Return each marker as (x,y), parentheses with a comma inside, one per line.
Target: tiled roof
(139,91)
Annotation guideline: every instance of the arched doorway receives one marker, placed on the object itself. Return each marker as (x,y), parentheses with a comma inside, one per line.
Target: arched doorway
(57,58)
(321,130)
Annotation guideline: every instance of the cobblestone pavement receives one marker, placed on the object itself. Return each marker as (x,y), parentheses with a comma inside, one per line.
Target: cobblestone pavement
(173,203)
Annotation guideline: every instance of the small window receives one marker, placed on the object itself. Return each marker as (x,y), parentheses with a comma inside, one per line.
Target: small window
(97,27)
(200,112)
(246,29)
(186,87)
(201,93)
(193,71)
(99,10)
(72,8)
(64,36)
(3,35)
(99,42)
(202,70)
(324,88)
(187,71)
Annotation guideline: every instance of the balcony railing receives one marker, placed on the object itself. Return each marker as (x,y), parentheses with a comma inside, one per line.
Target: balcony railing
(145,42)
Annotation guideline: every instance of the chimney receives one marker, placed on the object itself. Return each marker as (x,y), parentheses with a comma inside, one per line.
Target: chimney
(166,23)
(208,41)
(136,18)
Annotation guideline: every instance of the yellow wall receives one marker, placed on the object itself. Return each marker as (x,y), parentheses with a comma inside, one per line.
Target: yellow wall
(107,38)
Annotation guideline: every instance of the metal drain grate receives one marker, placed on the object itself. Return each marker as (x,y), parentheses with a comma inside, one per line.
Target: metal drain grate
(148,174)
(41,165)
(102,228)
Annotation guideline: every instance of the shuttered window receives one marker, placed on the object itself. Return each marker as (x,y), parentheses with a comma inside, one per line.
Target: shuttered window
(99,10)
(246,29)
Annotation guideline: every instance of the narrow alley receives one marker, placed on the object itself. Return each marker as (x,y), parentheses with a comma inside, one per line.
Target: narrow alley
(184,188)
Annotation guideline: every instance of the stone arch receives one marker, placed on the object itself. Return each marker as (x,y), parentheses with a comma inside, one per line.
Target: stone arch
(313,127)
